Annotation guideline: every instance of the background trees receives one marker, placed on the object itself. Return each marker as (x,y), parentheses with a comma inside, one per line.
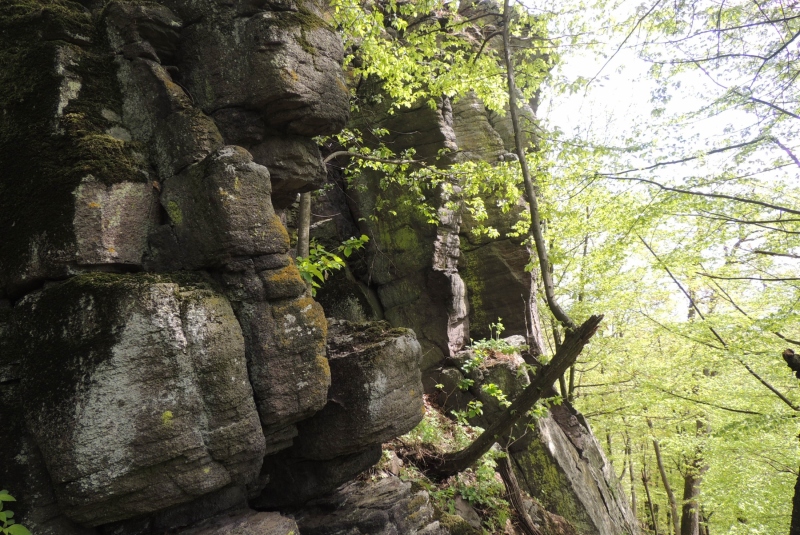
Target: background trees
(680,224)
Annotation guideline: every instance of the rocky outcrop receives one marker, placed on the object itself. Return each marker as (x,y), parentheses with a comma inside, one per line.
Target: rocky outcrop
(375,395)
(160,353)
(566,469)
(150,399)
(556,457)
(449,284)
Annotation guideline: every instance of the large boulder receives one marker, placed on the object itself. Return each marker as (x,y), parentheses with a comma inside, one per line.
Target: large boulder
(565,468)
(219,210)
(375,396)
(135,389)
(375,392)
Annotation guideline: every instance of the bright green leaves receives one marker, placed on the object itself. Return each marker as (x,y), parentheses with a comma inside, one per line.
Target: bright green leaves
(8,525)
(318,265)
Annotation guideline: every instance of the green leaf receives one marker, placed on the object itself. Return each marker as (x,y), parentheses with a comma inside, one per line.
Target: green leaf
(18,529)
(6,497)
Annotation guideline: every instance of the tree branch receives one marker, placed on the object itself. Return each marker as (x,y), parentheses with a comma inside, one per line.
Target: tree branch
(533,203)
(711,195)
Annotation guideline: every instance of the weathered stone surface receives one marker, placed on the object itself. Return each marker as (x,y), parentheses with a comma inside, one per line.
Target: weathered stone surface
(293,481)
(285,345)
(150,404)
(384,507)
(111,222)
(375,396)
(375,392)
(213,504)
(475,136)
(245,523)
(295,166)
(23,471)
(347,298)
(497,285)
(54,138)
(566,470)
(285,64)
(219,210)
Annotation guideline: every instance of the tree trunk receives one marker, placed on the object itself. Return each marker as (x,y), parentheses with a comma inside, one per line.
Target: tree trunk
(304,225)
(571,347)
(690,517)
(653,517)
(515,496)
(629,455)
(533,203)
(795,526)
(673,505)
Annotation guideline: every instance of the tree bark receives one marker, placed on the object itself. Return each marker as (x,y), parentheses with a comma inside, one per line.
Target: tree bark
(515,496)
(533,203)
(690,515)
(571,347)
(795,526)
(653,517)
(629,455)
(673,505)
(304,225)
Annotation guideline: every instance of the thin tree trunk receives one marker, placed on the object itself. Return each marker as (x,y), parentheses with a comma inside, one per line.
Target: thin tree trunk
(795,526)
(303,225)
(629,455)
(690,515)
(673,505)
(515,495)
(571,347)
(533,203)
(571,391)
(653,517)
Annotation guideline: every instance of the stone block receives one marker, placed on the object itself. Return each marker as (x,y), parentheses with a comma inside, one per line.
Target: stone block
(375,394)
(219,210)
(135,389)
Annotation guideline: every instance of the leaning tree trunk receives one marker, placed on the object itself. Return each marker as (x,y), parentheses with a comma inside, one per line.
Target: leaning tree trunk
(673,504)
(571,347)
(515,495)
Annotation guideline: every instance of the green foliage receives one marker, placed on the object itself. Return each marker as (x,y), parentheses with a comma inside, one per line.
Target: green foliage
(480,485)
(9,525)
(317,266)
(482,488)
(473,410)
(718,208)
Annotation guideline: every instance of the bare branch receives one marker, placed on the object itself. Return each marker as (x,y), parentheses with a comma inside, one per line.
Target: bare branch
(701,194)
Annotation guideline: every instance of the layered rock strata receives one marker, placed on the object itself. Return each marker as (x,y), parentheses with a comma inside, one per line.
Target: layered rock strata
(157,344)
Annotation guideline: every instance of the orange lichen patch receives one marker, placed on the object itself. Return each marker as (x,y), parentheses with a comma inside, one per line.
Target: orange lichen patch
(284,282)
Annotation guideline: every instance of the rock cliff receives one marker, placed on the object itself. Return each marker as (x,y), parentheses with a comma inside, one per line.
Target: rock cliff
(161,359)
(163,366)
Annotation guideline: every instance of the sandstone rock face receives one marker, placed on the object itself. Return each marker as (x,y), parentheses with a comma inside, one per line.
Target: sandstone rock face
(245,523)
(374,396)
(568,472)
(557,459)
(157,339)
(219,210)
(150,400)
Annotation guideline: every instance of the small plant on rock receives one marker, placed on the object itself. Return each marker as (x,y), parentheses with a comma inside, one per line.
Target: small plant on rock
(9,525)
